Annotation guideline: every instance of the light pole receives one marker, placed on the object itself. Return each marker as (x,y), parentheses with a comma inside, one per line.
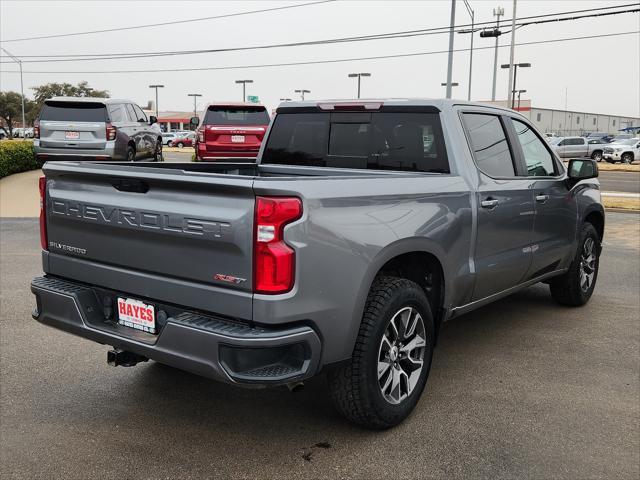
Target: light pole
(449,85)
(244,88)
(450,60)
(512,89)
(358,75)
(497,12)
(19,62)
(195,96)
(469,9)
(302,92)
(156,87)
(511,53)
(520,92)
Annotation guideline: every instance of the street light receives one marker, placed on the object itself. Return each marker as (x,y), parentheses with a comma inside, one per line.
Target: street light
(244,88)
(519,92)
(470,11)
(450,57)
(515,73)
(19,62)
(195,96)
(358,75)
(302,92)
(156,87)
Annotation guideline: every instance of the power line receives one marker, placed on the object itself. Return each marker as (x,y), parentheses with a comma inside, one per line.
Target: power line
(175,22)
(384,36)
(317,62)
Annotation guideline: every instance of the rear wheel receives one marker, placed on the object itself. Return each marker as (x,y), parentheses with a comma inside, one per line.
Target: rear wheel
(131,154)
(627,157)
(575,287)
(597,155)
(180,144)
(382,382)
(157,154)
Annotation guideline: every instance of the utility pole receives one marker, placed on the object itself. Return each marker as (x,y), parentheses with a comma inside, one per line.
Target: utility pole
(466,4)
(511,53)
(358,75)
(244,88)
(156,87)
(520,92)
(497,12)
(19,62)
(450,60)
(302,92)
(195,96)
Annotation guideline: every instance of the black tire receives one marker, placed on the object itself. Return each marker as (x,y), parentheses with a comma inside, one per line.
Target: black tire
(180,144)
(354,386)
(569,289)
(627,157)
(131,154)
(157,154)
(597,155)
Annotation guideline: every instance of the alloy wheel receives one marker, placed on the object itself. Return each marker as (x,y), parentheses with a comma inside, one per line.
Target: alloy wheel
(587,264)
(401,355)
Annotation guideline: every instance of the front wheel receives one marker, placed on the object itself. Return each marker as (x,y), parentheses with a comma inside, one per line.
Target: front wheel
(597,156)
(575,287)
(180,145)
(627,158)
(131,154)
(382,382)
(157,154)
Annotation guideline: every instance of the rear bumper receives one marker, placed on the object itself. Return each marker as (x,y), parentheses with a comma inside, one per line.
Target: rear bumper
(206,345)
(206,152)
(50,153)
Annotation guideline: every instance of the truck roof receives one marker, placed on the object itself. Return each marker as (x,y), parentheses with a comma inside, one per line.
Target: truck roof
(88,100)
(439,103)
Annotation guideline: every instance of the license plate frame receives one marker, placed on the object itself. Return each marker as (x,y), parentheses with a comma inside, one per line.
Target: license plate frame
(136,314)
(71,135)
(238,138)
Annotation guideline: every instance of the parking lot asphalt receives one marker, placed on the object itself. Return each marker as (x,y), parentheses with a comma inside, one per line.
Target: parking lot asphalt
(522,388)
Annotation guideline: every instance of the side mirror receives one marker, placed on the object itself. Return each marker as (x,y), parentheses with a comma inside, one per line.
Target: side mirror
(581,169)
(195,121)
(152,119)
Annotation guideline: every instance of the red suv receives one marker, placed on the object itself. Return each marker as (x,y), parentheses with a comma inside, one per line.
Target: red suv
(231,130)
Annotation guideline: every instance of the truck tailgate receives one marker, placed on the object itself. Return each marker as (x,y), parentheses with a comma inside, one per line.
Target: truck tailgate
(174,226)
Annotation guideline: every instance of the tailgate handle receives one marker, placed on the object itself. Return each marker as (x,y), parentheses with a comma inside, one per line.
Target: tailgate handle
(130,185)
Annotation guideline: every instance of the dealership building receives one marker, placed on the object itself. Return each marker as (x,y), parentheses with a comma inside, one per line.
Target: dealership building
(566,123)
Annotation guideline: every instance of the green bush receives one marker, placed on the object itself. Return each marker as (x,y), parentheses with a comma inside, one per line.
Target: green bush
(17,156)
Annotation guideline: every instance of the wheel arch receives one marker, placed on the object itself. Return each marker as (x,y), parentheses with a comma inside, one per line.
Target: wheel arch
(595,216)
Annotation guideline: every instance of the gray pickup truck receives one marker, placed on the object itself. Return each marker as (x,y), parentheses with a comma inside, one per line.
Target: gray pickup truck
(363,226)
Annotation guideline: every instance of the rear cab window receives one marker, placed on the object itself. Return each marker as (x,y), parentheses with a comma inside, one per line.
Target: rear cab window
(488,141)
(236,116)
(74,112)
(399,141)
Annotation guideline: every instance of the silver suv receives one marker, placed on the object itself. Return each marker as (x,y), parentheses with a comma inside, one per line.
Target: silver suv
(95,129)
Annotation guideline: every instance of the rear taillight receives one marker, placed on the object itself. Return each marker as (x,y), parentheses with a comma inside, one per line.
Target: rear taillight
(36,129)
(274,260)
(42,185)
(200,134)
(111,132)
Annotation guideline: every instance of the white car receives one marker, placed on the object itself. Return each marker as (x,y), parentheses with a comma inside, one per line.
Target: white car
(625,151)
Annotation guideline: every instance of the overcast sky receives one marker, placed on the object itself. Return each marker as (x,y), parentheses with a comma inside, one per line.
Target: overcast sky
(601,75)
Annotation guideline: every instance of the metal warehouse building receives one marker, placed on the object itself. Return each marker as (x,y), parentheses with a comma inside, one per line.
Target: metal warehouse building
(567,122)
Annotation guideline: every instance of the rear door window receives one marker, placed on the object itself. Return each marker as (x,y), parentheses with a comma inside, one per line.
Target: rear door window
(131,113)
(378,141)
(118,113)
(236,116)
(489,144)
(73,112)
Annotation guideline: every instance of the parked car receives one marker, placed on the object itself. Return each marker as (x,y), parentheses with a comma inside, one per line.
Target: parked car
(167,137)
(622,136)
(343,249)
(625,151)
(231,130)
(186,140)
(95,129)
(567,147)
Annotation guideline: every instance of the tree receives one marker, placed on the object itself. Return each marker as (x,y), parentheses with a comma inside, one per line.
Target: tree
(48,90)
(11,109)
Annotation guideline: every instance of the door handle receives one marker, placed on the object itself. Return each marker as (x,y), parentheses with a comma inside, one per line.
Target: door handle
(542,198)
(489,203)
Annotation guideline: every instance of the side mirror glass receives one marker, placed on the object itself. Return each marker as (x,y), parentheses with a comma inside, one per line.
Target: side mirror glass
(195,121)
(152,119)
(581,169)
